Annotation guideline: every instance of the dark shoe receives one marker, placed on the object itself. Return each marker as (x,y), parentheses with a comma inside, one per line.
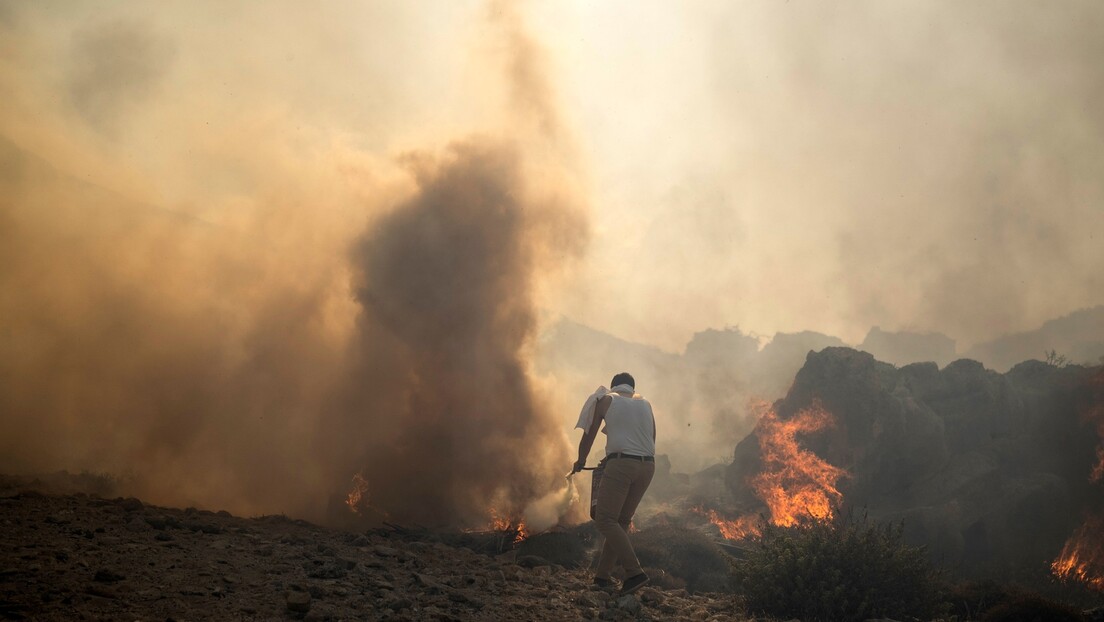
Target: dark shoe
(604,584)
(633,584)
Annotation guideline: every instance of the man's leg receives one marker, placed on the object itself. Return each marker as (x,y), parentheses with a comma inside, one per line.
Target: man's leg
(642,478)
(616,483)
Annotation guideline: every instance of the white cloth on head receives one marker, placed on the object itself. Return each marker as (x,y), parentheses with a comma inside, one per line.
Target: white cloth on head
(586,415)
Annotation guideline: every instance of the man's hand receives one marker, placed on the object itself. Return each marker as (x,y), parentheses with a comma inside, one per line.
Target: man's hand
(578,466)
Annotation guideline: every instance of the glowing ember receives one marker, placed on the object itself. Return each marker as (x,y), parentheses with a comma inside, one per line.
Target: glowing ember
(360,488)
(1082,558)
(795,483)
(739,529)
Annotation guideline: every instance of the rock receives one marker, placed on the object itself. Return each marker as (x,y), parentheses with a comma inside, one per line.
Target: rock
(629,603)
(130,504)
(137,524)
(322,613)
(385,551)
(398,604)
(651,596)
(105,575)
(587,599)
(298,601)
(361,540)
(531,561)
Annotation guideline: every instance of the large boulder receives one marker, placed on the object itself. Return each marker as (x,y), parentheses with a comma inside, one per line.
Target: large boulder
(986,469)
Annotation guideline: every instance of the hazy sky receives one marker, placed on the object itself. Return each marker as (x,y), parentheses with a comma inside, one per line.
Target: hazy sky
(182,185)
(934,166)
(774,165)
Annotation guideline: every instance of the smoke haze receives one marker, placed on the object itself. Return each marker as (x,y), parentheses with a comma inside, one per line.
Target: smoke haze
(215,289)
(915,165)
(247,253)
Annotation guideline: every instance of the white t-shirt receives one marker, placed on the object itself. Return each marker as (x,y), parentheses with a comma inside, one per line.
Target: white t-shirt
(630,426)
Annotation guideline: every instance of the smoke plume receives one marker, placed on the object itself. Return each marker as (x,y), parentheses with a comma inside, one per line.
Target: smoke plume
(218,282)
(446,286)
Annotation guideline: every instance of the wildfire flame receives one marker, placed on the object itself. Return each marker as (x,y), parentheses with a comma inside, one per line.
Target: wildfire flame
(1082,558)
(795,483)
(359,490)
(500,522)
(742,528)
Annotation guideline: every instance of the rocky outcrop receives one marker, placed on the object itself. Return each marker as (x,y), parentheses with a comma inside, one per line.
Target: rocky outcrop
(988,470)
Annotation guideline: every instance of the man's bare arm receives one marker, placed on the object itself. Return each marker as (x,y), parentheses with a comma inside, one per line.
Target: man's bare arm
(585,443)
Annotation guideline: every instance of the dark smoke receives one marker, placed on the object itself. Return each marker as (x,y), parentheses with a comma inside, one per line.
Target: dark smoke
(446,282)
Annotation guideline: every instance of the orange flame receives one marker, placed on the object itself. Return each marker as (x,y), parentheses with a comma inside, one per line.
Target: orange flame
(500,522)
(795,483)
(360,488)
(746,526)
(1082,558)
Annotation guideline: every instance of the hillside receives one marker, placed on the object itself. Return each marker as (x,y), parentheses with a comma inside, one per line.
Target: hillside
(69,557)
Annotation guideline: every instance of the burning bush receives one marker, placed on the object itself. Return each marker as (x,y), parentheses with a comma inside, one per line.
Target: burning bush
(686,554)
(839,570)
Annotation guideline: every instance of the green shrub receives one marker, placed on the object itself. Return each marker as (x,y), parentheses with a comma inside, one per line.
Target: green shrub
(838,571)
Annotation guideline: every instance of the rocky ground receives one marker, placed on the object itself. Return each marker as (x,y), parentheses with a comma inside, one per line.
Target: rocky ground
(81,557)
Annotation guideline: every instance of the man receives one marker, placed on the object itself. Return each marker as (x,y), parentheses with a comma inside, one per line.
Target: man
(629,467)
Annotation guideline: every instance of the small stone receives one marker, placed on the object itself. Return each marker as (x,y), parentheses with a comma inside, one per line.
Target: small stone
(398,604)
(137,524)
(587,599)
(104,575)
(322,613)
(298,601)
(130,504)
(531,561)
(629,603)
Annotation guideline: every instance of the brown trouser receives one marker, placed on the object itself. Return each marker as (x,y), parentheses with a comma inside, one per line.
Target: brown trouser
(622,488)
